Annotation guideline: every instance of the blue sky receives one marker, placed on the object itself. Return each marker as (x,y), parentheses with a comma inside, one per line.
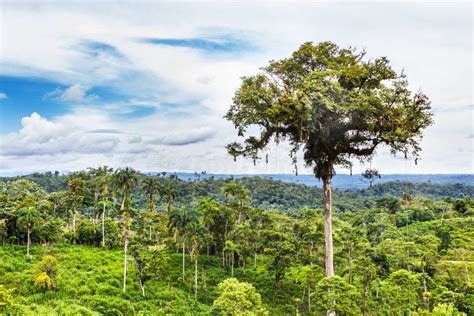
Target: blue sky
(147,85)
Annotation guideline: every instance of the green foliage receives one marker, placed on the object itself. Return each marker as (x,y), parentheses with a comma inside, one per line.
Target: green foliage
(392,257)
(88,233)
(335,294)
(44,282)
(6,297)
(446,310)
(332,104)
(151,262)
(238,298)
(46,271)
(401,291)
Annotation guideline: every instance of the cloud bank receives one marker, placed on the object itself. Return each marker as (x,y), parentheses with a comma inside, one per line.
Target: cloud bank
(147,85)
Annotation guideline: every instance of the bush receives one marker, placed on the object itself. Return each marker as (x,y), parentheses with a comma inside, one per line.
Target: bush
(6,297)
(238,298)
(44,282)
(88,233)
(46,271)
(50,231)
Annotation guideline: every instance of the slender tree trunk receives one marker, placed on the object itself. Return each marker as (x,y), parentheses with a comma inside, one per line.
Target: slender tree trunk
(195,278)
(142,286)
(74,227)
(255,260)
(28,241)
(184,261)
(350,264)
(122,206)
(309,298)
(232,268)
(103,226)
(125,249)
(329,263)
(364,304)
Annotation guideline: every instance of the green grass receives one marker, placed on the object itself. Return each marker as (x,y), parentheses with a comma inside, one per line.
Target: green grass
(90,282)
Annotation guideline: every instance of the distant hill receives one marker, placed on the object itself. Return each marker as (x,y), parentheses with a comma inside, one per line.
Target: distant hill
(285,192)
(343,181)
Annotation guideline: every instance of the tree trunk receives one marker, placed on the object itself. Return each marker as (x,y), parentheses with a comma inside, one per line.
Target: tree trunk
(74,227)
(184,262)
(350,264)
(309,298)
(329,263)
(364,304)
(328,227)
(125,249)
(142,286)
(232,268)
(195,278)
(255,260)
(103,226)
(28,241)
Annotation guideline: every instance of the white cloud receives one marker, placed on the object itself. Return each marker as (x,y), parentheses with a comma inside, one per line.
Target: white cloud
(75,93)
(415,37)
(3,96)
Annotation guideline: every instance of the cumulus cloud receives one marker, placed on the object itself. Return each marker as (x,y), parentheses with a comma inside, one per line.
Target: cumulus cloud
(75,93)
(39,136)
(3,96)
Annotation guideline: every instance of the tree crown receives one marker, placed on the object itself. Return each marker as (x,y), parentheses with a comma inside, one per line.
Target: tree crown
(332,104)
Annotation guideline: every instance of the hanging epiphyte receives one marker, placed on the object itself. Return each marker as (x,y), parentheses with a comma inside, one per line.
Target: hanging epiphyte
(266,158)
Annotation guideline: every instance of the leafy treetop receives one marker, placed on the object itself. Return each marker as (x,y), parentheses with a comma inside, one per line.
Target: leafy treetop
(330,102)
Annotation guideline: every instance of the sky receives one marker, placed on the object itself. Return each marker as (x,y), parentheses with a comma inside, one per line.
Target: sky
(146,84)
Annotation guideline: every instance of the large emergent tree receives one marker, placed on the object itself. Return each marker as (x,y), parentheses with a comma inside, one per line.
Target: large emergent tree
(334,105)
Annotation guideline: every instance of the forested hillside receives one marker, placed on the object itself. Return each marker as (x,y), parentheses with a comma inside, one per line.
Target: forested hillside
(270,194)
(191,246)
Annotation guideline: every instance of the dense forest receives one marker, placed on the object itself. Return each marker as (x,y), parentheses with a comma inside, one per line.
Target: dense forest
(118,242)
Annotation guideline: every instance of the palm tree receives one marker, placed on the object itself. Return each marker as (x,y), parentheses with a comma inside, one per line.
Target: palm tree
(179,220)
(210,210)
(76,185)
(103,179)
(233,248)
(124,181)
(228,218)
(150,186)
(169,194)
(27,219)
(239,196)
(195,232)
